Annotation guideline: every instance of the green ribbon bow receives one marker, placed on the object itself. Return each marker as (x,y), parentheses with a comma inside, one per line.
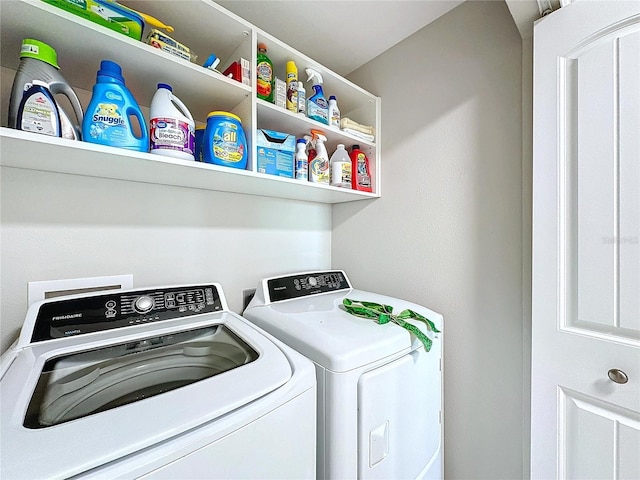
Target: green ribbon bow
(383,314)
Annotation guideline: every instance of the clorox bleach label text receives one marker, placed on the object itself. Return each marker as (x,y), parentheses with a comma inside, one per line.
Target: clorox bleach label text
(172,134)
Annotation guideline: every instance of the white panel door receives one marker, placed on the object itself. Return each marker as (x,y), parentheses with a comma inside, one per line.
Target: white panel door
(586,240)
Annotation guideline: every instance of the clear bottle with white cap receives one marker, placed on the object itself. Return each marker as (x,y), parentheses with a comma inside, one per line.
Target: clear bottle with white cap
(334,112)
(341,168)
(302,99)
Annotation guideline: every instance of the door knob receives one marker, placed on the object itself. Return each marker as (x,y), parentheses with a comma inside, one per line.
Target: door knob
(618,376)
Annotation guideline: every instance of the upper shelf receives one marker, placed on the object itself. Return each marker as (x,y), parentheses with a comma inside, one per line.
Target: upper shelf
(206,28)
(39,152)
(79,43)
(353,101)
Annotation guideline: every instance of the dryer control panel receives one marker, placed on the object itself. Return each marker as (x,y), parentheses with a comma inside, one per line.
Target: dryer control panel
(306,284)
(105,311)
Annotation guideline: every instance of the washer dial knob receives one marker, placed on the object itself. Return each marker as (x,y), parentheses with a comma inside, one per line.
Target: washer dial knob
(143,304)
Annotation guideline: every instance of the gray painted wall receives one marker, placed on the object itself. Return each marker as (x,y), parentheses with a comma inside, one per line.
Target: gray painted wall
(448,232)
(66,226)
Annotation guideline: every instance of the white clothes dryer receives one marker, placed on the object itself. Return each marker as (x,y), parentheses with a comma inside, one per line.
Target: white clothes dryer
(379,391)
(155,383)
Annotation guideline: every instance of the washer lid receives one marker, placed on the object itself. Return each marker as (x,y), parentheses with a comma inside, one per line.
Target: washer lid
(74,404)
(80,384)
(318,326)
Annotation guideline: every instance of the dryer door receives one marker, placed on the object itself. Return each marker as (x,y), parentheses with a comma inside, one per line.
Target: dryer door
(399,430)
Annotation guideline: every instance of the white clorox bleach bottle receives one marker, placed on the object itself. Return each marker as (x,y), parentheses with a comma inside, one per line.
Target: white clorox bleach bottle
(340,168)
(172,129)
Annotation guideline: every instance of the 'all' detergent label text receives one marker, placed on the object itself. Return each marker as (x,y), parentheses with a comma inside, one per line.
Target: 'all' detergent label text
(226,146)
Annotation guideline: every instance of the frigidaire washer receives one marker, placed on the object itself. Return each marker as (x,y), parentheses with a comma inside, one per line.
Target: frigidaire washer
(160,383)
(379,391)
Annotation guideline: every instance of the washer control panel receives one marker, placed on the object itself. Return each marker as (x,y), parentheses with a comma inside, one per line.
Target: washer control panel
(306,284)
(105,311)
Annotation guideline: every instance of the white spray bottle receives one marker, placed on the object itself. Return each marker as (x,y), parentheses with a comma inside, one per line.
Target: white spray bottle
(319,165)
(317,105)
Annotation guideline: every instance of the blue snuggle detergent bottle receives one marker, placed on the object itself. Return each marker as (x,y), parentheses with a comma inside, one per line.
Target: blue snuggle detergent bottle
(111,110)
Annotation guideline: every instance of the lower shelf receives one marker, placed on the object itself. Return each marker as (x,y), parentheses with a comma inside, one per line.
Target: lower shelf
(30,151)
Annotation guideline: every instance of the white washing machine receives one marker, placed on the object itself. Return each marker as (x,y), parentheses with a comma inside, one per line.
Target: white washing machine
(379,391)
(154,383)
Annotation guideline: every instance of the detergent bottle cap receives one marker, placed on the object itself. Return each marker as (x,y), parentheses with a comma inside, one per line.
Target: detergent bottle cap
(222,114)
(355,147)
(212,62)
(166,86)
(111,69)
(302,140)
(263,47)
(332,97)
(32,48)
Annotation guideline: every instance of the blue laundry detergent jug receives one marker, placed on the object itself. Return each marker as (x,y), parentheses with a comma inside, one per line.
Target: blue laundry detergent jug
(224,141)
(109,116)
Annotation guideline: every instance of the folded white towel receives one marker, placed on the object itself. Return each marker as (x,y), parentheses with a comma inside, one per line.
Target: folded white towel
(346,122)
(358,134)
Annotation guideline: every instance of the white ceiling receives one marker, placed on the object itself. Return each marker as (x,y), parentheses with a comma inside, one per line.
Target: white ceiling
(340,34)
(345,34)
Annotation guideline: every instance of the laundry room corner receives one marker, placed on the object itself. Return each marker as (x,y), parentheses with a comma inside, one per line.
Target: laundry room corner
(434,223)
(447,232)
